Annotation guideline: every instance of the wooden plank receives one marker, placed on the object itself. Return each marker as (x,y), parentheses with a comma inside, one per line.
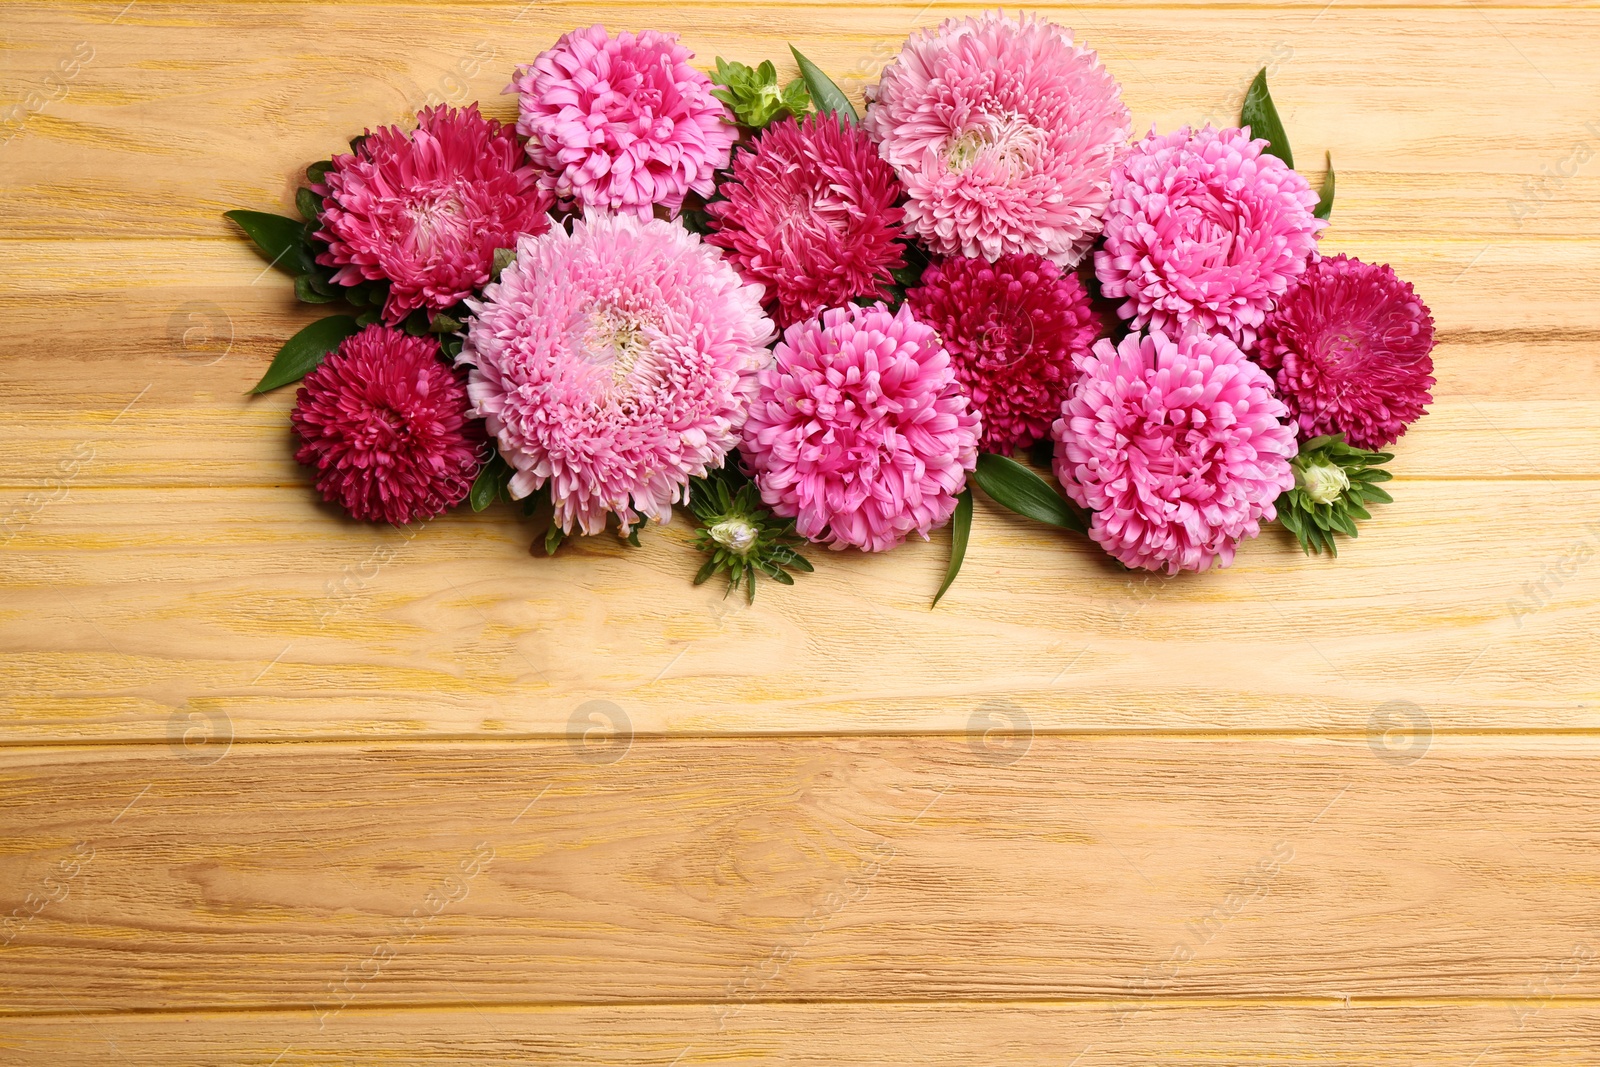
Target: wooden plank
(126,610)
(1532,1030)
(1456,134)
(188,327)
(324,877)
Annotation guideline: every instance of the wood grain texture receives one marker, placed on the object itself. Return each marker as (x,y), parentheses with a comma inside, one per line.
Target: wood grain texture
(326,876)
(825,1035)
(276,788)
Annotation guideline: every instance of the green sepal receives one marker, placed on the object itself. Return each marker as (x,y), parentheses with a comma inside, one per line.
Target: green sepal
(309,204)
(318,171)
(306,291)
(492,483)
(302,353)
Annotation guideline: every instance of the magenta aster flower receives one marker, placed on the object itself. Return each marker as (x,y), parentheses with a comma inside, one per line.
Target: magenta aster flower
(426,210)
(615,363)
(1014,330)
(623,122)
(1350,347)
(811,215)
(1004,133)
(1176,448)
(1205,228)
(385,424)
(860,432)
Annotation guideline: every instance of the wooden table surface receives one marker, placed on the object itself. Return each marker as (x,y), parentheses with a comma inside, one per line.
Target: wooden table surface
(278,788)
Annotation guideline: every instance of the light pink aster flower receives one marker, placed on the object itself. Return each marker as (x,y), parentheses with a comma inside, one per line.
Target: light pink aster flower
(615,363)
(860,431)
(1177,448)
(810,213)
(426,210)
(1004,132)
(622,123)
(1205,228)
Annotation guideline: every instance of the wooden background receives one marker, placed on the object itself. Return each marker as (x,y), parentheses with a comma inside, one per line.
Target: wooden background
(277,788)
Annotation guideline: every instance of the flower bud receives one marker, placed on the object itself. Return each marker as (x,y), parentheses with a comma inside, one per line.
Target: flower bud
(1323,482)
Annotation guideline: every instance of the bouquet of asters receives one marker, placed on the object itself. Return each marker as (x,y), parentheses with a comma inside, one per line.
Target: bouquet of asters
(665,286)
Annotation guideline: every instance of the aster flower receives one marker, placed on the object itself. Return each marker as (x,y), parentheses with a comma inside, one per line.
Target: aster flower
(1350,347)
(1004,132)
(1013,329)
(1176,448)
(425,211)
(622,123)
(1205,228)
(615,363)
(811,215)
(860,432)
(385,424)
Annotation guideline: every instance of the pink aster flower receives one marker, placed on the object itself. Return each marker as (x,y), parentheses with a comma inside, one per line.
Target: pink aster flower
(1350,348)
(860,432)
(1205,228)
(615,363)
(1176,448)
(426,210)
(1004,132)
(623,122)
(1014,329)
(385,424)
(811,215)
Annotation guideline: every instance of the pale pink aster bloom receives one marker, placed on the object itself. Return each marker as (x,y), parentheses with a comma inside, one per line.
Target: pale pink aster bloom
(1205,228)
(615,363)
(860,432)
(1178,448)
(426,210)
(622,123)
(1004,132)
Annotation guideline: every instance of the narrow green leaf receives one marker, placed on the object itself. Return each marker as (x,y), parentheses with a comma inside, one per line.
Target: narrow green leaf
(960,531)
(1013,486)
(1261,116)
(301,354)
(552,539)
(280,240)
(706,570)
(828,97)
(1325,205)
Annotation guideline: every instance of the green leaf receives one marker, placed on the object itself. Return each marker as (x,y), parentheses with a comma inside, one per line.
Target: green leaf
(1013,486)
(491,484)
(443,323)
(503,258)
(309,204)
(280,240)
(960,531)
(1325,204)
(318,171)
(369,317)
(829,98)
(305,290)
(301,354)
(552,539)
(706,570)
(1261,116)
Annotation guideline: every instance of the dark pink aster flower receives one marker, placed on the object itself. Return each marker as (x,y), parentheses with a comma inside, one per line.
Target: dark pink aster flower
(622,123)
(1350,348)
(811,215)
(385,425)
(1013,329)
(426,210)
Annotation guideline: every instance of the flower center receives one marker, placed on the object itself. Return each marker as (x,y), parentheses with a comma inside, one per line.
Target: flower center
(618,337)
(1009,141)
(435,215)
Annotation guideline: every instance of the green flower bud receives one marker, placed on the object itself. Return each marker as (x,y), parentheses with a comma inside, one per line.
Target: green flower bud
(1324,483)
